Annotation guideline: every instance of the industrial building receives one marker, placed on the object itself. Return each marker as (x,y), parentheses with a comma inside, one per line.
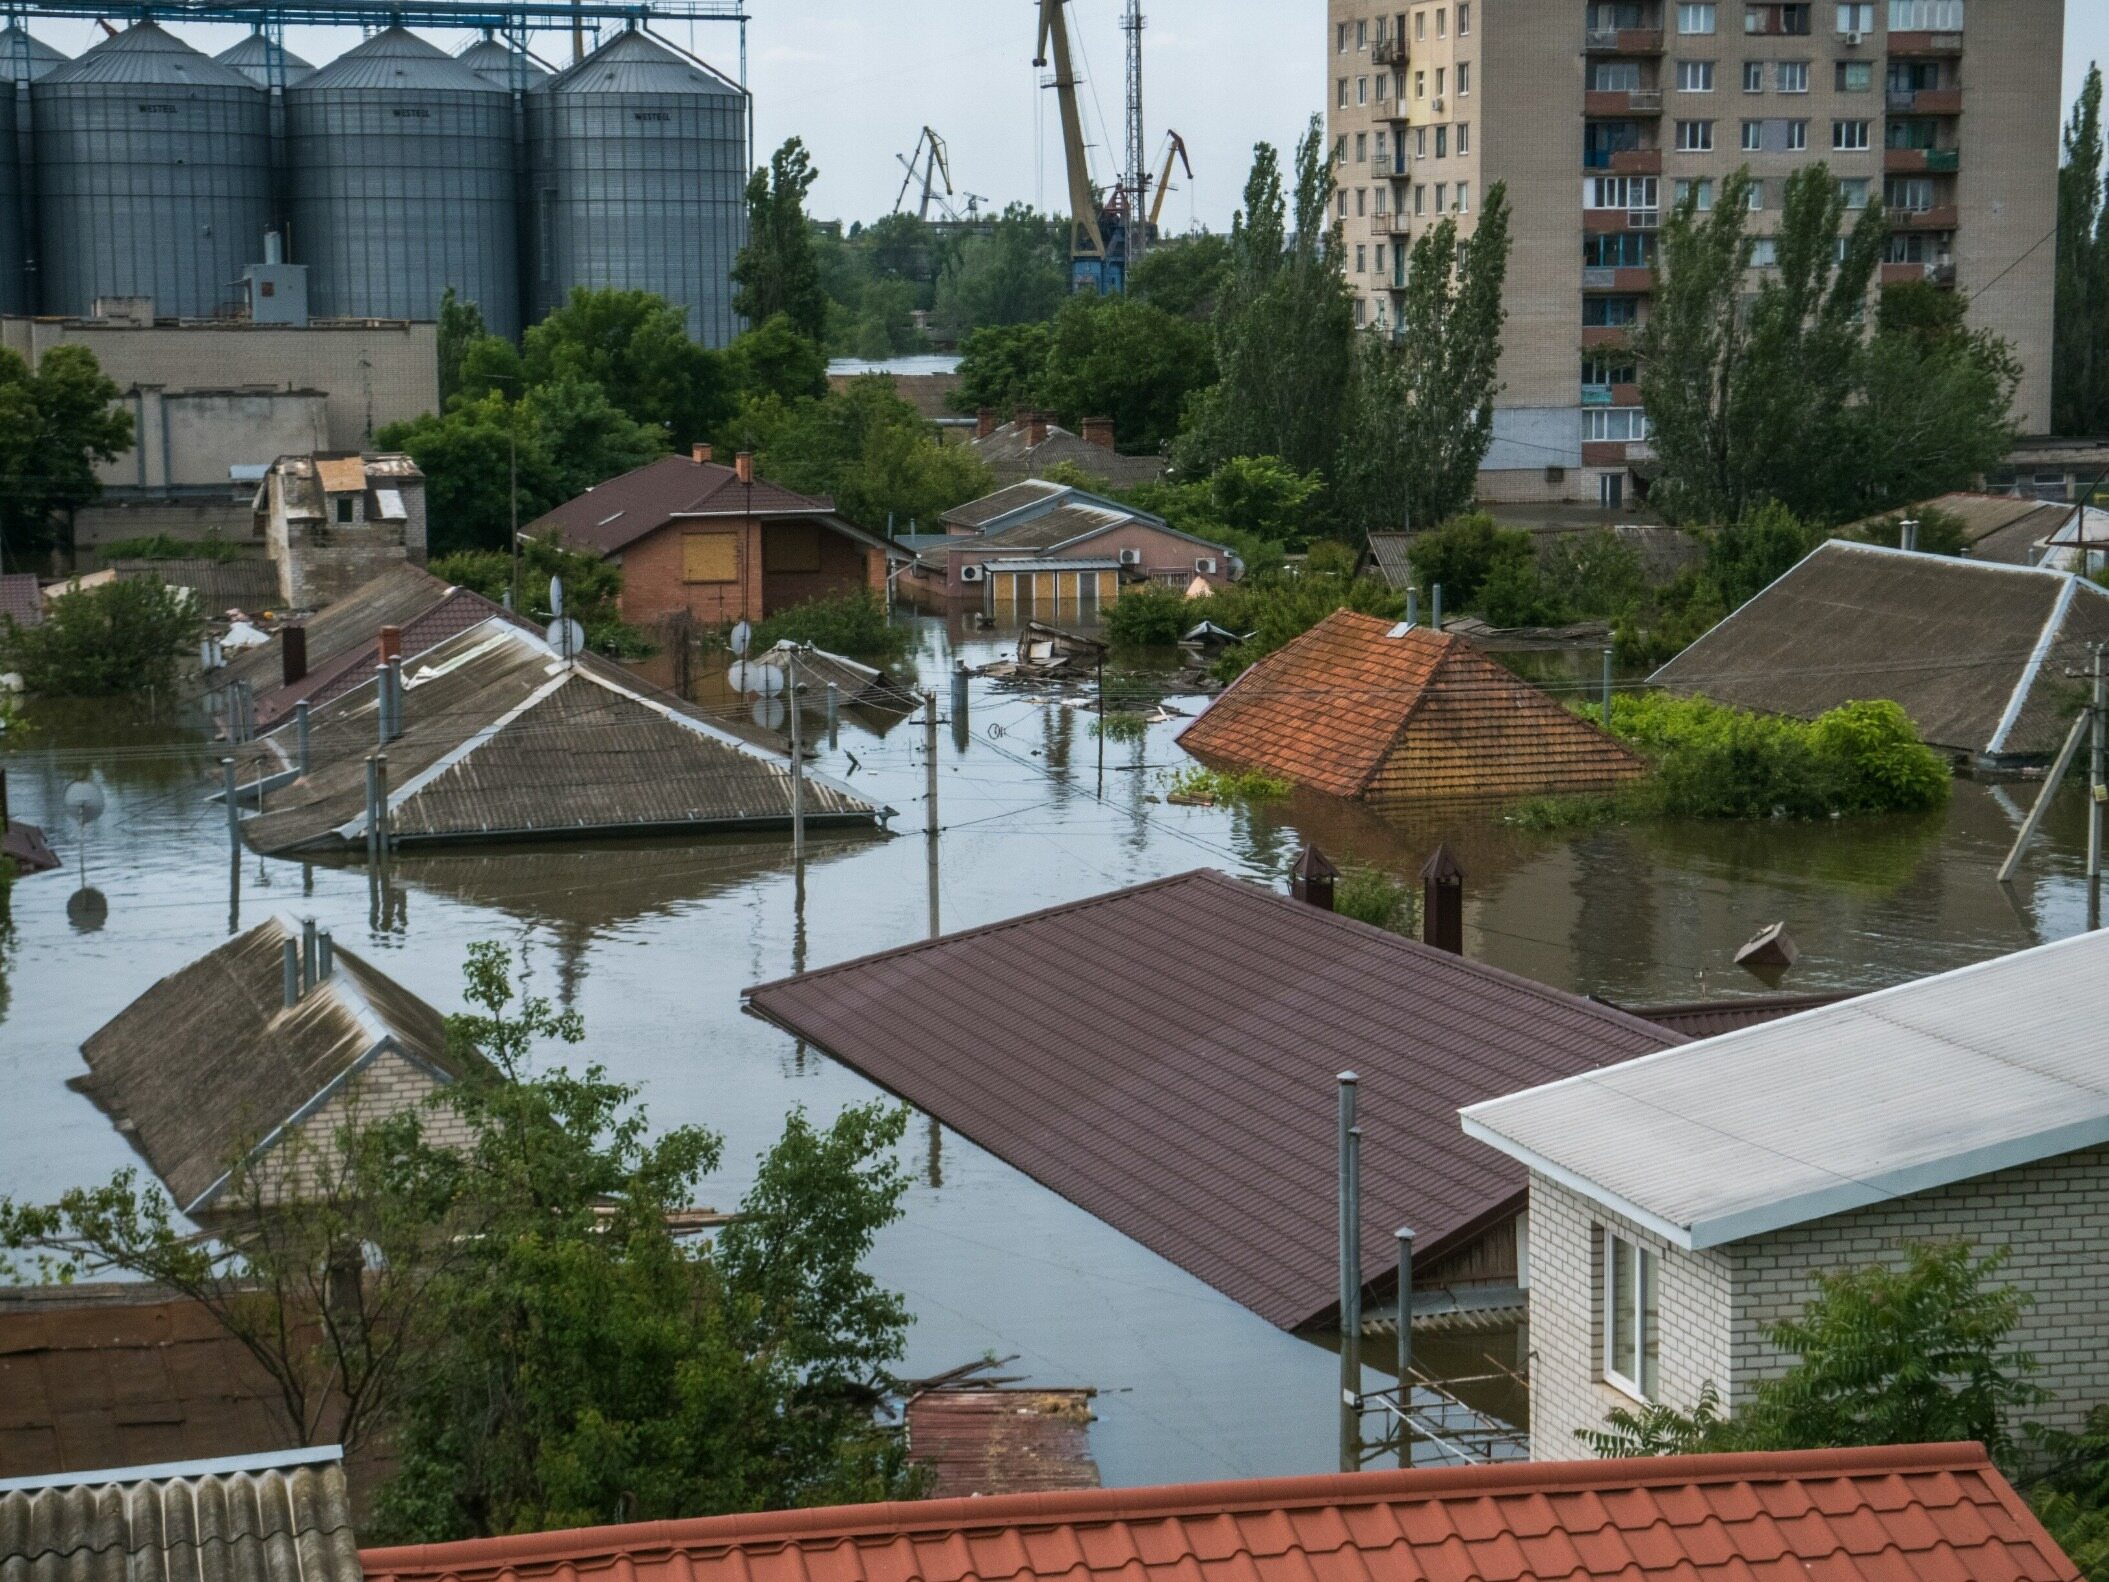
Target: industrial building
(147,172)
(1633,104)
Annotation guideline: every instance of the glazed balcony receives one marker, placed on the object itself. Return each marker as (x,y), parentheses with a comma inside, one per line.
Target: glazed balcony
(1597,221)
(1610,395)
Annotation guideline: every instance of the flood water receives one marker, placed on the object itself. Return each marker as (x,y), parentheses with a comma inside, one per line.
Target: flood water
(654,943)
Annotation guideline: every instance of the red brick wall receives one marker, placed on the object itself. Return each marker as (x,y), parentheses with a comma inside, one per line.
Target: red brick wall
(652,585)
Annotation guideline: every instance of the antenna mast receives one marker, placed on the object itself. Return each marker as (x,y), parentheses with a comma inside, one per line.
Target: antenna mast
(1137,176)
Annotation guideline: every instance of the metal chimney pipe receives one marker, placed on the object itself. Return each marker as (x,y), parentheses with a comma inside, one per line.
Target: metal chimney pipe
(274,248)
(291,974)
(395,697)
(326,957)
(1405,1239)
(380,692)
(1350,1230)
(1435,597)
(307,955)
(1413,606)
(1908,534)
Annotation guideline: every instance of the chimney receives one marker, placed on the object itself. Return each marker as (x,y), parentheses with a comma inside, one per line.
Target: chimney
(743,464)
(700,454)
(1099,431)
(1035,429)
(290,974)
(1443,903)
(1311,880)
(984,422)
(308,952)
(391,639)
(274,248)
(1908,533)
(325,956)
(293,649)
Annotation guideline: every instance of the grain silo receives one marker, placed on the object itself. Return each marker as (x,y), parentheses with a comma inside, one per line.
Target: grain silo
(153,178)
(639,169)
(501,65)
(24,59)
(402,175)
(253,59)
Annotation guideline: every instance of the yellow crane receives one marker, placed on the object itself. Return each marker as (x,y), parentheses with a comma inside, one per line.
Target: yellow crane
(1087,236)
(1164,180)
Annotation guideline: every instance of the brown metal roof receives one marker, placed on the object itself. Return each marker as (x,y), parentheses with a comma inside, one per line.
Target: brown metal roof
(619,512)
(503,740)
(1709,1018)
(341,474)
(1002,1441)
(206,1065)
(1164,1057)
(282,1517)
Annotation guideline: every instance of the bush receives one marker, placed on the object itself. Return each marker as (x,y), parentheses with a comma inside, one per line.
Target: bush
(1277,609)
(848,623)
(1212,787)
(1153,617)
(1463,553)
(1328,557)
(1940,532)
(105,641)
(592,589)
(160,546)
(1121,726)
(1370,895)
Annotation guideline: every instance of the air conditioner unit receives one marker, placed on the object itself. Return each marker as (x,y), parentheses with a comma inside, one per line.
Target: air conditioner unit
(1131,557)
(1438,106)
(1206,565)
(1854,40)
(972,573)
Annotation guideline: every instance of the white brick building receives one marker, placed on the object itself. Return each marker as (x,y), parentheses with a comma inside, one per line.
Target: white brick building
(1683,1202)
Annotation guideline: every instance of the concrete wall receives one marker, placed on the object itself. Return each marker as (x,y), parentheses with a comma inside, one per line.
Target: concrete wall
(187,439)
(114,518)
(320,562)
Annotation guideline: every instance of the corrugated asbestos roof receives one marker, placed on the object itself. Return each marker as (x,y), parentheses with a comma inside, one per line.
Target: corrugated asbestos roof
(502,739)
(276,1518)
(396,59)
(1164,1057)
(146,55)
(1976,653)
(1389,554)
(1065,524)
(634,63)
(1887,1094)
(496,64)
(252,58)
(1359,706)
(1002,1441)
(209,1063)
(218,584)
(1007,454)
(456,611)
(352,625)
(1895,1514)
(21,601)
(632,504)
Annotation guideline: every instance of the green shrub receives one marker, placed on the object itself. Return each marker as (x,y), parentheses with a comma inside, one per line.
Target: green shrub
(846,623)
(1277,609)
(592,589)
(1940,532)
(1876,760)
(1214,786)
(1369,895)
(1152,617)
(1463,553)
(1121,726)
(104,641)
(1515,593)
(160,546)
(1329,557)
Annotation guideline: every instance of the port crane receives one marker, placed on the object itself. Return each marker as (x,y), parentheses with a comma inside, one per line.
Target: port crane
(930,151)
(1176,151)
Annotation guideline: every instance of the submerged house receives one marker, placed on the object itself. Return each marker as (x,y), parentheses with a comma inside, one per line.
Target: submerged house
(253,1057)
(1394,714)
(1977,653)
(1165,1057)
(497,737)
(1032,442)
(1686,1200)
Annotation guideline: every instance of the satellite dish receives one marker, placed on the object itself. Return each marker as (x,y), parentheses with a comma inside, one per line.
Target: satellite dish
(755,679)
(84,802)
(556,595)
(769,714)
(567,637)
(87,910)
(741,638)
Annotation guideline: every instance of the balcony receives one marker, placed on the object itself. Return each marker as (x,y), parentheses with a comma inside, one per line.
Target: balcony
(1622,101)
(1605,334)
(1920,161)
(1625,278)
(1389,52)
(1387,224)
(1924,45)
(1624,41)
(1936,219)
(1924,101)
(1636,161)
(1941,273)
(1599,221)
(1393,111)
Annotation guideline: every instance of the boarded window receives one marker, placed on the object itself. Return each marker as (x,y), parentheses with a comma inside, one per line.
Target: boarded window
(710,557)
(791,546)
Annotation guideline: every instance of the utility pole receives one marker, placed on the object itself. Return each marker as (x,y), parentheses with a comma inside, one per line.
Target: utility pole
(930,797)
(2096,786)
(798,763)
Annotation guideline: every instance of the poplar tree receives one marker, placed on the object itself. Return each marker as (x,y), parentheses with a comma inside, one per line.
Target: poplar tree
(778,271)
(2080,345)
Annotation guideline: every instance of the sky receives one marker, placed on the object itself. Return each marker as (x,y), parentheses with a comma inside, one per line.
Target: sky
(859,79)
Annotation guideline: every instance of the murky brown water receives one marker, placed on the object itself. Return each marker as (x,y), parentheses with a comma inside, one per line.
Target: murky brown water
(653,944)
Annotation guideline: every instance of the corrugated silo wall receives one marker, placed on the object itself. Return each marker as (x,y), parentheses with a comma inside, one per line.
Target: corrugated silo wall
(14,282)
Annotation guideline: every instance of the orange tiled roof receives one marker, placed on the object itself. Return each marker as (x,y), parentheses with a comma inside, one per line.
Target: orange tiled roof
(1891,1514)
(1353,711)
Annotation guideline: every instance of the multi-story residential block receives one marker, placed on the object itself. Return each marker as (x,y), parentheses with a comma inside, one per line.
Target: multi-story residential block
(1599,115)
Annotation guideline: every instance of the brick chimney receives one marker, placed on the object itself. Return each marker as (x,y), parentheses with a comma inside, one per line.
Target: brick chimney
(984,422)
(293,649)
(1099,431)
(700,454)
(391,643)
(1035,429)
(743,464)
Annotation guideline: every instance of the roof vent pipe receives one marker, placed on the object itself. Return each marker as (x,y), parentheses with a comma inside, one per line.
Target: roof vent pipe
(291,973)
(274,248)
(307,955)
(1908,534)
(325,956)
(1312,879)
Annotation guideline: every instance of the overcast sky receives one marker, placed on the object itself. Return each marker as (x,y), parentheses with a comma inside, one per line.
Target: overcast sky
(858,80)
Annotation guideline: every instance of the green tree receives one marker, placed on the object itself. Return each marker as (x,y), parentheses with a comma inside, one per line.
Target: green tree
(1464,554)
(635,346)
(777,272)
(1114,356)
(1252,497)
(489,362)
(587,438)
(460,326)
(905,476)
(1183,275)
(468,455)
(114,638)
(1017,274)
(1745,558)
(774,359)
(56,425)
(1422,416)
(1003,367)
(2080,346)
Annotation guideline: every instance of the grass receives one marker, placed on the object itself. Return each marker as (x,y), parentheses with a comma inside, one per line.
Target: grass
(1214,787)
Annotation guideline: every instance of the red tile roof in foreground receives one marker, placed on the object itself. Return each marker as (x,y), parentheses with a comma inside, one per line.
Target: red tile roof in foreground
(632,504)
(1353,711)
(1917,1513)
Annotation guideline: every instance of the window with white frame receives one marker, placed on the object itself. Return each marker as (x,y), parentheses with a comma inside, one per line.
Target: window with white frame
(1377,206)
(1420,85)
(1797,136)
(1925,16)
(1627,423)
(1464,19)
(1343,203)
(1614,76)
(1420,24)
(1441,72)
(1755,197)
(1383,86)
(1753,76)
(1361,90)
(1442,142)
(1362,34)
(1764,253)
(1383,148)
(1619,192)
(1791,76)
(1420,142)
(1695,76)
(1695,17)
(1695,137)
(1343,38)
(1853,192)
(1632,1274)
(1464,137)
(1906,194)
(1420,199)
(1361,201)
(1700,189)
(1753,136)
(1343,93)
(1441,196)
(1464,197)
(1849,136)
(1856,16)
(1442,22)
(1361,147)
(1464,78)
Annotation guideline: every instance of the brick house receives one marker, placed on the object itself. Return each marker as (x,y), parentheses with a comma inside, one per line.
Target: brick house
(714,542)
(332,522)
(1684,1201)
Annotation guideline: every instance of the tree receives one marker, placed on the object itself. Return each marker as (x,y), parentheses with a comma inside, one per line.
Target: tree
(774,359)
(777,272)
(56,425)
(1017,274)
(1183,275)
(467,456)
(1003,367)
(635,346)
(1256,497)
(1422,416)
(460,326)
(1116,357)
(904,476)
(1465,553)
(104,641)
(2080,346)
(586,437)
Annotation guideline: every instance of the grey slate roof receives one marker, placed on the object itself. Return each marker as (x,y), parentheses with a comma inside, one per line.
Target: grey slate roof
(209,1063)
(503,740)
(147,55)
(1899,1091)
(1976,653)
(280,1517)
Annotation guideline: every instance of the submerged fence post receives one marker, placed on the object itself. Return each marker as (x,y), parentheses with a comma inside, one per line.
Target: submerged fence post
(380,775)
(234,806)
(2095,789)
(834,704)
(930,800)
(1607,689)
(798,759)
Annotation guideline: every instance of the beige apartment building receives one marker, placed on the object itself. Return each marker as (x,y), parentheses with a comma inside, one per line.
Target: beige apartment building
(1599,115)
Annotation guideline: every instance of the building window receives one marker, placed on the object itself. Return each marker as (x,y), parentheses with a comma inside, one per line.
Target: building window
(1464,197)
(1361,258)
(1792,76)
(1632,1275)
(1343,203)
(1619,192)
(1753,136)
(1420,24)
(1617,249)
(1420,200)
(1340,150)
(1343,38)
(1798,136)
(1857,16)
(1610,489)
(1377,207)
(1849,136)
(1695,76)
(1361,201)
(1464,137)
(1697,137)
(1856,76)
(791,547)
(1764,253)
(1464,18)
(1909,194)
(1615,423)
(1695,18)
(1440,189)
(1609,313)
(1700,189)
(1464,78)
(1362,35)
(1383,158)
(1361,90)
(1440,73)
(1610,368)
(1361,312)
(1614,76)
(1361,147)
(1898,133)
(1753,76)
(1442,22)
(1343,93)
(1420,85)
(1420,142)
(1442,142)
(1755,197)
(710,557)
(1383,86)
(344,508)
(1925,16)
(1853,192)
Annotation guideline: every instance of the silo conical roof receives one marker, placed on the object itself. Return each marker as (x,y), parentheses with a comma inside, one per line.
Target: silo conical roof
(634,62)
(397,58)
(252,58)
(42,57)
(146,55)
(494,63)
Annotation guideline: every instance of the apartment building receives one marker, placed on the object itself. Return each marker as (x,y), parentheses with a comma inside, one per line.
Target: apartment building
(1599,115)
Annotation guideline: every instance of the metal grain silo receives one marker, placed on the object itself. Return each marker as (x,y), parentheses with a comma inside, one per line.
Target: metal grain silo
(502,66)
(640,163)
(24,59)
(253,59)
(403,173)
(153,176)
(14,260)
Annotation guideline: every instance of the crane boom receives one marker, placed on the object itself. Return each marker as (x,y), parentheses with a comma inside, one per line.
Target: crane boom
(1086,239)
(933,163)
(1164,182)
